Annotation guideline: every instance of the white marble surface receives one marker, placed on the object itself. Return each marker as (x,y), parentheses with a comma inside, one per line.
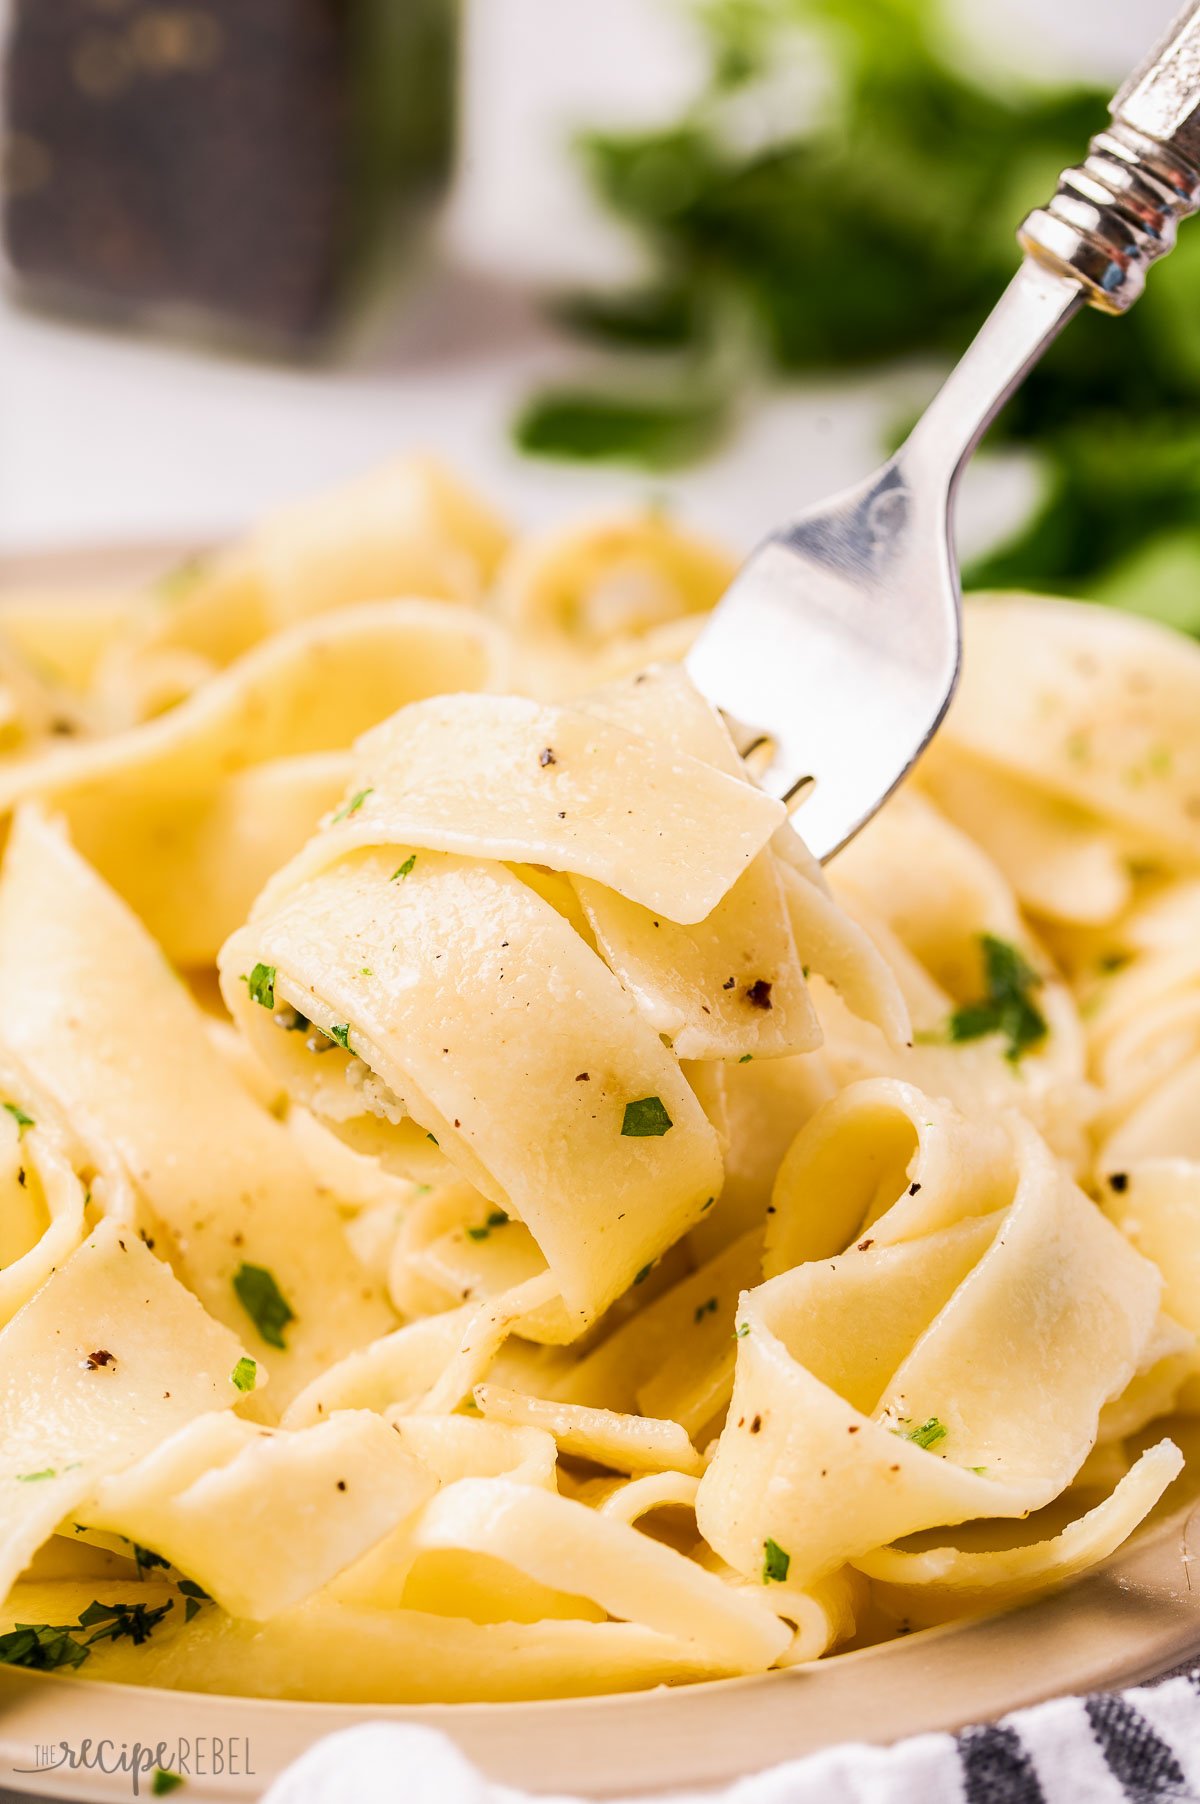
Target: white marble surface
(103,436)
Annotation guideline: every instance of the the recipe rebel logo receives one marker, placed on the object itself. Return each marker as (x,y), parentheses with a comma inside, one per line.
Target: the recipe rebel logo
(153,1769)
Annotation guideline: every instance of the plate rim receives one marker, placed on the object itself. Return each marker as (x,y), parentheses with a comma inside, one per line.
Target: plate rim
(1131,1618)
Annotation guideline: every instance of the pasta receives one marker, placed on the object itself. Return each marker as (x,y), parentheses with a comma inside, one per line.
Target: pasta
(484,1215)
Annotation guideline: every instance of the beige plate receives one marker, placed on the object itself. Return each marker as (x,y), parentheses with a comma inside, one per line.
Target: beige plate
(1133,1617)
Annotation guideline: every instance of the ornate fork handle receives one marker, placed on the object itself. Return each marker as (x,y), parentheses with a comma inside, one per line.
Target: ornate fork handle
(1115,213)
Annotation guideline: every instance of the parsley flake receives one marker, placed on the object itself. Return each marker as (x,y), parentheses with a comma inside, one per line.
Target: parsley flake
(927,1435)
(18,1114)
(703,1309)
(340,1031)
(261,985)
(352,806)
(1006,1007)
(404,869)
(775,1562)
(264,1302)
(741,1331)
(120,1622)
(164,1781)
(645,1119)
(145,1559)
(41,1646)
(194,1597)
(31,1478)
(497,1219)
(244,1375)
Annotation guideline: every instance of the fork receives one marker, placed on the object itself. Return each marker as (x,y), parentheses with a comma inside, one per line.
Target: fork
(835,652)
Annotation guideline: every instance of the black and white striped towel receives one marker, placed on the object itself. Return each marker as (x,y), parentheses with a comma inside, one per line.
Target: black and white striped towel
(1133,1747)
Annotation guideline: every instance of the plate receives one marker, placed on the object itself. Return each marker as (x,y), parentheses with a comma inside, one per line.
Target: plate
(1134,1616)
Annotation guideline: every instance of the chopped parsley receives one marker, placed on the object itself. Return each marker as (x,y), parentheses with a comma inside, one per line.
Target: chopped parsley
(775,1562)
(497,1219)
(1005,1008)
(120,1622)
(194,1596)
(645,1119)
(927,1435)
(340,1031)
(145,1559)
(745,1058)
(405,869)
(261,985)
(19,1116)
(264,1302)
(644,1273)
(45,1646)
(42,1646)
(32,1478)
(164,1781)
(703,1309)
(352,806)
(244,1375)
(741,1331)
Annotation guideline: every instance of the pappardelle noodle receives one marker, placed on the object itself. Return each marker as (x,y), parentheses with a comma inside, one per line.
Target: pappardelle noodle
(484,1215)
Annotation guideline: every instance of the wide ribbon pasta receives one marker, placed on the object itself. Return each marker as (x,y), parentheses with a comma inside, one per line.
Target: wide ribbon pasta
(980,1267)
(464,1003)
(600,1240)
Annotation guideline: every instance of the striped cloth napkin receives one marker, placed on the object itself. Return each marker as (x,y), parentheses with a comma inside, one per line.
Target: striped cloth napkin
(1132,1747)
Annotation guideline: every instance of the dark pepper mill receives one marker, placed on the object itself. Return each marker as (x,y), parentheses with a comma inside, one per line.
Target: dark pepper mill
(218,163)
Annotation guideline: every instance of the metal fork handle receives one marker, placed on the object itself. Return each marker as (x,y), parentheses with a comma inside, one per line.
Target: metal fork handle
(1117,212)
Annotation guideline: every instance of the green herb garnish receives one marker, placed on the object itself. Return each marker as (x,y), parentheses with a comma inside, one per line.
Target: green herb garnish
(927,1435)
(42,1647)
(18,1114)
(45,1646)
(261,985)
(32,1478)
(404,869)
(741,1331)
(194,1597)
(645,1119)
(703,1309)
(497,1219)
(775,1562)
(748,272)
(1006,1007)
(587,425)
(340,1031)
(264,1303)
(352,806)
(164,1781)
(145,1559)
(244,1375)
(121,1622)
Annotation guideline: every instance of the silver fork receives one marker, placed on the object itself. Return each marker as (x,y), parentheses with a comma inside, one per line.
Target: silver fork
(835,653)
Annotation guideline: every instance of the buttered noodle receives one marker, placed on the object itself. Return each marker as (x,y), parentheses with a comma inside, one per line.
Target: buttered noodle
(604,1249)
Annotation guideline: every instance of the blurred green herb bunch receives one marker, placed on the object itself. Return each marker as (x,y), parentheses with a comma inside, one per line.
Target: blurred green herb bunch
(882,228)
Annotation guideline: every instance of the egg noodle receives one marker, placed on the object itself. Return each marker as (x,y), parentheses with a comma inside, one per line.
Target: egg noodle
(484,1215)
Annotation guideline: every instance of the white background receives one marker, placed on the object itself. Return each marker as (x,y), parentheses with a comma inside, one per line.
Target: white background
(105,437)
